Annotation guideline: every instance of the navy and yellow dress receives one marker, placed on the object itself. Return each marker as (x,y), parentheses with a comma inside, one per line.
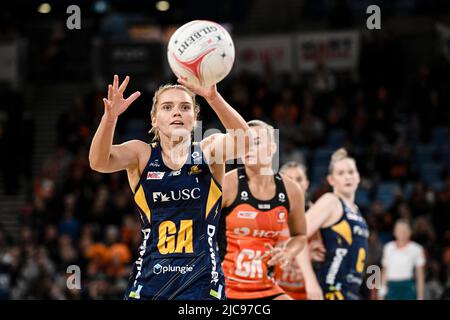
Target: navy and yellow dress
(346,242)
(179,211)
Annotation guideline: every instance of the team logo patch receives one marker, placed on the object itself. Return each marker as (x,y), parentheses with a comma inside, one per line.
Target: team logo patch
(154,175)
(247,214)
(281,216)
(281,197)
(194,170)
(244,195)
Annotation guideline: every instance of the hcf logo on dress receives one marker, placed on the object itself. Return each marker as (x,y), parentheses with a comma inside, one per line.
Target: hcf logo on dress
(184,194)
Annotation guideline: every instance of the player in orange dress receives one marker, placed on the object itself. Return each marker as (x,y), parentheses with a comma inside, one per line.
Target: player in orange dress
(298,278)
(257,203)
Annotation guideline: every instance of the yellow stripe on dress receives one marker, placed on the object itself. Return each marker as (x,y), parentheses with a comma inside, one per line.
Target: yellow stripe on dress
(214,195)
(344,230)
(141,201)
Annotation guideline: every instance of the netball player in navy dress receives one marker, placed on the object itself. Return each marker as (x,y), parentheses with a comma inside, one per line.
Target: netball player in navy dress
(177,186)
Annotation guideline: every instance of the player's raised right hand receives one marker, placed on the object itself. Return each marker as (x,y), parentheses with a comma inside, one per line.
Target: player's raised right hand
(116,104)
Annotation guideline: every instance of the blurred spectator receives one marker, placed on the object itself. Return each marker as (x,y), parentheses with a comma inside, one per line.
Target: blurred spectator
(403,266)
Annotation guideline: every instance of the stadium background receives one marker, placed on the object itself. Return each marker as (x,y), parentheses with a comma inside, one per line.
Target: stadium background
(382,94)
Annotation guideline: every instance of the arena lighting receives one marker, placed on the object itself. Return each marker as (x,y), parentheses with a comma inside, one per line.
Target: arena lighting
(162,5)
(44,8)
(100,6)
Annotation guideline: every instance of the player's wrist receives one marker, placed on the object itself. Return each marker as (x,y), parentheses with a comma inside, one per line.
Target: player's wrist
(109,118)
(212,98)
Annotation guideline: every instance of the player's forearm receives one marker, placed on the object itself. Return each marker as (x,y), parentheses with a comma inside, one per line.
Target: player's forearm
(304,261)
(295,245)
(100,150)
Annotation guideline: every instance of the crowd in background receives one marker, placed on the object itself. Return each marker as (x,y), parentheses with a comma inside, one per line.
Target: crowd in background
(75,216)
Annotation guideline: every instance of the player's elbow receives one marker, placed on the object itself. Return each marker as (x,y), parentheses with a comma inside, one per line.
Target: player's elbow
(96,165)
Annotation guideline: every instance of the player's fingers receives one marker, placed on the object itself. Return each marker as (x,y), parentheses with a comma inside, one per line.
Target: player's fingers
(132,98)
(187,85)
(181,81)
(110,94)
(124,84)
(116,82)
(106,103)
(276,258)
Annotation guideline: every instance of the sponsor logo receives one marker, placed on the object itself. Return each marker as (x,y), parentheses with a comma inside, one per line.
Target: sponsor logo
(184,194)
(157,269)
(139,261)
(244,195)
(335,265)
(185,43)
(363,232)
(264,206)
(155,164)
(354,216)
(214,274)
(175,173)
(247,214)
(154,175)
(194,170)
(196,156)
(244,231)
(354,279)
(281,197)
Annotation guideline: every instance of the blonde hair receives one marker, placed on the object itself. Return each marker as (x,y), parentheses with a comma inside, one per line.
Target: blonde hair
(156,96)
(259,123)
(338,155)
(293,164)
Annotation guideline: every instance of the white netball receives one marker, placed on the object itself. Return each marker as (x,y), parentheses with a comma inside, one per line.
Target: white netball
(201,52)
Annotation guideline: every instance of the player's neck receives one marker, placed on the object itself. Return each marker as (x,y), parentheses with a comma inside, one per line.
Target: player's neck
(261,175)
(175,149)
(180,145)
(349,200)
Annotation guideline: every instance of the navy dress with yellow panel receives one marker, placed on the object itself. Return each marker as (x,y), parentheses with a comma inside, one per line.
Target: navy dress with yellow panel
(346,242)
(179,211)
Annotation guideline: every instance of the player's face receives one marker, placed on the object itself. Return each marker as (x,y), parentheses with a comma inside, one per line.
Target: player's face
(402,232)
(262,148)
(298,175)
(175,115)
(345,177)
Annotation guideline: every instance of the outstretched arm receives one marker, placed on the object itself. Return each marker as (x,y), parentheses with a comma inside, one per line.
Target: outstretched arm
(235,142)
(312,287)
(103,155)
(320,212)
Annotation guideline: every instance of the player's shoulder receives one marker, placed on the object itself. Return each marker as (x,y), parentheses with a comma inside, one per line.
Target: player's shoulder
(231,175)
(291,185)
(328,198)
(139,148)
(137,144)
